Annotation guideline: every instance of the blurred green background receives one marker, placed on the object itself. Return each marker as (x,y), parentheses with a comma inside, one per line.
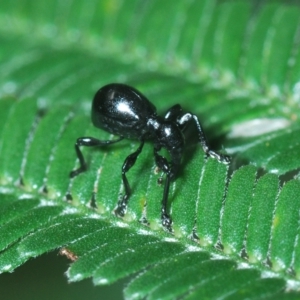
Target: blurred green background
(43,278)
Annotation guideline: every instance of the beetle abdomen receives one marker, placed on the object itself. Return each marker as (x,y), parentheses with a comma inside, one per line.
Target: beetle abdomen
(121,111)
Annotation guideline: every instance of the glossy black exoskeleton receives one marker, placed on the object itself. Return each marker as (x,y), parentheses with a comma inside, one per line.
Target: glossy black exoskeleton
(125,112)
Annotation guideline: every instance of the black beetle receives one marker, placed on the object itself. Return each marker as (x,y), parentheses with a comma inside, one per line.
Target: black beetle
(125,112)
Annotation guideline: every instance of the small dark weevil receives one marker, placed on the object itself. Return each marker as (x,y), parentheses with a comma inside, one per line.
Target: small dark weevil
(124,111)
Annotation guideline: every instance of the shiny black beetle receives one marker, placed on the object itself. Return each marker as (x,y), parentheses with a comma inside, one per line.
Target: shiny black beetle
(124,111)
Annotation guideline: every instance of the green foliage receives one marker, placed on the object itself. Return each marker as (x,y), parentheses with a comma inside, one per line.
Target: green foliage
(235,64)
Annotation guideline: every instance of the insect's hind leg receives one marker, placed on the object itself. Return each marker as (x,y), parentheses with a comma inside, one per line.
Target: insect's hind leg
(88,142)
(127,165)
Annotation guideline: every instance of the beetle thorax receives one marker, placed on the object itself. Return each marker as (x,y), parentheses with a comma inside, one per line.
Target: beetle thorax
(166,134)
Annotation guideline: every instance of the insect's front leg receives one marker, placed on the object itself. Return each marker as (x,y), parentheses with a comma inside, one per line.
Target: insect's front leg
(127,165)
(225,159)
(163,164)
(89,142)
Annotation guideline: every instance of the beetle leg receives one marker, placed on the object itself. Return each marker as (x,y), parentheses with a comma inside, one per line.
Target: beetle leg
(163,164)
(89,142)
(127,165)
(225,159)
